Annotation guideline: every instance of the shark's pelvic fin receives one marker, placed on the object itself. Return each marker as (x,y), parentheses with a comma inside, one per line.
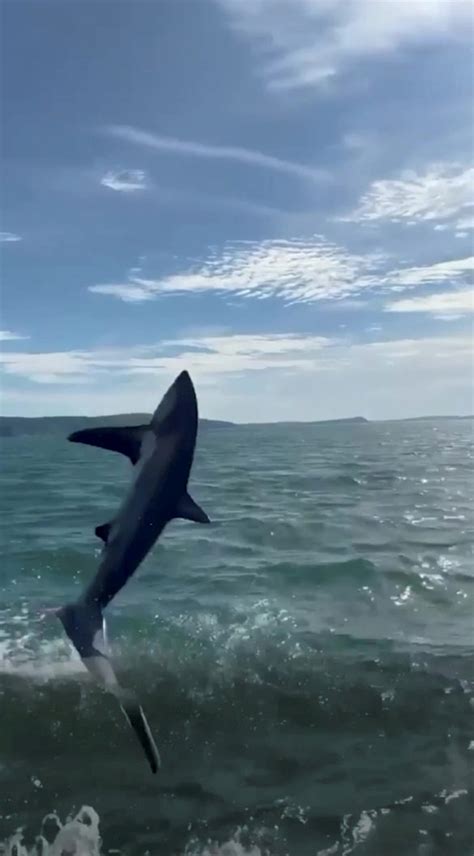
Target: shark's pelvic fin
(127,441)
(103,531)
(187,509)
(190,510)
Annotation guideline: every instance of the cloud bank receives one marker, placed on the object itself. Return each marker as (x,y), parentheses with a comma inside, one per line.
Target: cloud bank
(252,378)
(306,43)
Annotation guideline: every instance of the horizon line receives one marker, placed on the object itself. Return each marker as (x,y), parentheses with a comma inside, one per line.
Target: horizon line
(361,419)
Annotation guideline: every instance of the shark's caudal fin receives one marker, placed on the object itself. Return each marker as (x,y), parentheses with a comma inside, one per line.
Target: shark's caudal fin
(85,627)
(127,441)
(138,721)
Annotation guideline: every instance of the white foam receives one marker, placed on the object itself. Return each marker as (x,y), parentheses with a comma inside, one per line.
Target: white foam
(329,851)
(33,648)
(78,836)
(229,848)
(403,597)
(388,695)
(453,795)
(354,834)
(40,660)
(258,622)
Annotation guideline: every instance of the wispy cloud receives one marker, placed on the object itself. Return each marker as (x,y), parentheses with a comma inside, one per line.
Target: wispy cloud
(441,192)
(456,270)
(8,336)
(293,270)
(203,150)
(129,292)
(447,306)
(125,180)
(305,43)
(9,238)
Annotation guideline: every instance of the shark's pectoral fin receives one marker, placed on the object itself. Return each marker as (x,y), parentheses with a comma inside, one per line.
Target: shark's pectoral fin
(103,531)
(127,441)
(190,510)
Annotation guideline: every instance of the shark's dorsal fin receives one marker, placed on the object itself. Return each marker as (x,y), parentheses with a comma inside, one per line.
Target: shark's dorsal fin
(187,509)
(103,531)
(127,441)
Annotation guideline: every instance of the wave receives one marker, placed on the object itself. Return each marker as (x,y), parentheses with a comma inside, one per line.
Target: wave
(210,678)
(370,831)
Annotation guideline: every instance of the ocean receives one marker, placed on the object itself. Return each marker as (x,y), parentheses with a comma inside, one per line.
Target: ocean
(305,662)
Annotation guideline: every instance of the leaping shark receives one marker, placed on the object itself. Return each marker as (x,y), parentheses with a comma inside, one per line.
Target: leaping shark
(162,453)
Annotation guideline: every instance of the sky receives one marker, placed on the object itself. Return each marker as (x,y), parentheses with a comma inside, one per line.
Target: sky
(276,195)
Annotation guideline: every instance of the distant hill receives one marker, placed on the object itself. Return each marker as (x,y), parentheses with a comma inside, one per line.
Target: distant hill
(350,420)
(15,426)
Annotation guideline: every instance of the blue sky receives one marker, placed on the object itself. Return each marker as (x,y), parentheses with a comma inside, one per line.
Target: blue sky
(273,194)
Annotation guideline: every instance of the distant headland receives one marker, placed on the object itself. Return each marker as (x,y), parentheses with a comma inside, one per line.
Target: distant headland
(16,426)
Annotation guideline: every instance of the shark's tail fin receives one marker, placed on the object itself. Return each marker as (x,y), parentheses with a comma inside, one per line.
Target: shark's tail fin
(138,721)
(85,625)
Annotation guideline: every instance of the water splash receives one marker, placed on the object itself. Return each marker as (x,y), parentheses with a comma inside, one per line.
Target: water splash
(78,836)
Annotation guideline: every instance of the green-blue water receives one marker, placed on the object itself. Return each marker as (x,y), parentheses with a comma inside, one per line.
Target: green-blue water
(305,663)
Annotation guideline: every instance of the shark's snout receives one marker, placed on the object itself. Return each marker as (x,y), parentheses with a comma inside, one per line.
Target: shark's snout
(183,385)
